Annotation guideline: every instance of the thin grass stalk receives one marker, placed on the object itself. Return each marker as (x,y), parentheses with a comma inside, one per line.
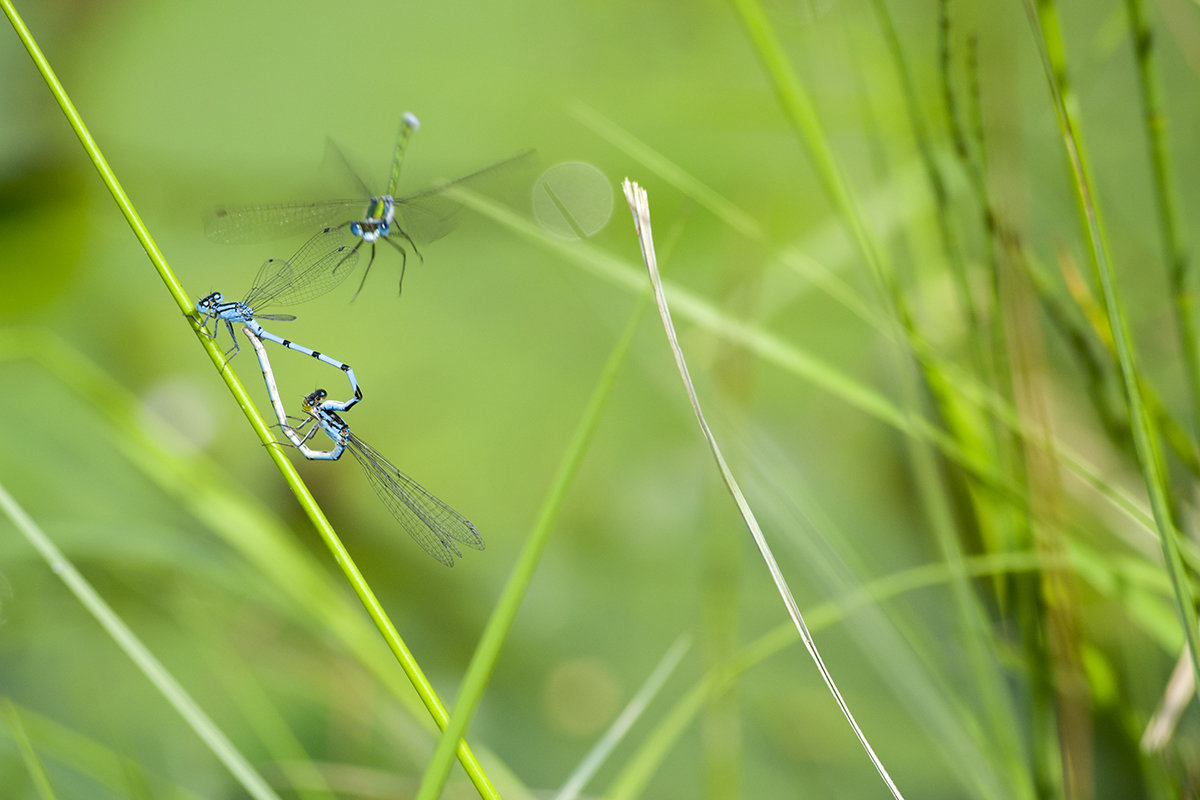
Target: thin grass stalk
(1093,326)
(802,364)
(1044,24)
(155,672)
(907,660)
(621,726)
(937,184)
(637,771)
(1179,265)
(33,764)
(307,502)
(631,781)
(640,208)
(1002,527)
(1059,716)
(94,760)
(1028,460)
(927,478)
(203,488)
(487,653)
(247,695)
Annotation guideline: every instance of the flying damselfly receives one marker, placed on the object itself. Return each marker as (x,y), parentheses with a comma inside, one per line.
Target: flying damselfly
(408,222)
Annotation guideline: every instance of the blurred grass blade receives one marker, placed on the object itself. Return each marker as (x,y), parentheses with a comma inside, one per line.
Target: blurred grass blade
(158,675)
(795,257)
(793,359)
(294,763)
(640,207)
(98,160)
(309,504)
(596,757)
(229,509)
(796,361)
(1180,271)
(37,772)
(500,623)
(1176,698)
(933,492)
(1043,22)
(98,762)
(637,771)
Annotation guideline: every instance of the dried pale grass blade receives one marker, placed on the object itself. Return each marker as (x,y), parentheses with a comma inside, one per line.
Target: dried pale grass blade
(1180,688)
(639,205)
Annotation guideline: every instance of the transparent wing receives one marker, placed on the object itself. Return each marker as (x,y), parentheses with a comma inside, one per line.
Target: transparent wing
(430,214)
(318,266)
(433,524)
(247,224)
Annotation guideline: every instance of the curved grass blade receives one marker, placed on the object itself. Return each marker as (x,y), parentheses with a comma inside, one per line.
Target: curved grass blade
(1047,36)
(314,512)
(141,656)
(37,772)
(483,662)
(302,589)
(640,207)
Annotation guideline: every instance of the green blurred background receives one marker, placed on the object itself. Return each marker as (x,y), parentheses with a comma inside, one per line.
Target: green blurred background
(477,377)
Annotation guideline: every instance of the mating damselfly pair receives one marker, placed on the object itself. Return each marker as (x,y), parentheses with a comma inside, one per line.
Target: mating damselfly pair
(322,263)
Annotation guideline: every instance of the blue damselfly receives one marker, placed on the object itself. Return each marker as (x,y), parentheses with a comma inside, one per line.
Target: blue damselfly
(436,527)
(318,266)
(408,222)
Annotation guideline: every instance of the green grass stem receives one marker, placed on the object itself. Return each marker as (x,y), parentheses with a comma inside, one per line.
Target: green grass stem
(95,760)
(309,504)
(639,206)
(800,363)
(937,183)
(929,483)
(500,623)
(621,726)
(141,656)
(1179,266)
(1048,38)
(637,771)
(262,716)
(224,506)
(37,772)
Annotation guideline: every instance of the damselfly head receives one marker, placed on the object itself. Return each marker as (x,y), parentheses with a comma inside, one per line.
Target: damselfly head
(208,302)
(313,400)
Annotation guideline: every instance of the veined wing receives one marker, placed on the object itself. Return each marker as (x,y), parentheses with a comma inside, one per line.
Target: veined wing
(247,224)
(430,214)
(318,266)
(433,524)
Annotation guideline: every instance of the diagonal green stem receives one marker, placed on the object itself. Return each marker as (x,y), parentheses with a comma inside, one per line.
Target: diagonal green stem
(125,638)
(361,588)
(802,114)
(488,652)
(1048,38)
(1179,267)
(37,772)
